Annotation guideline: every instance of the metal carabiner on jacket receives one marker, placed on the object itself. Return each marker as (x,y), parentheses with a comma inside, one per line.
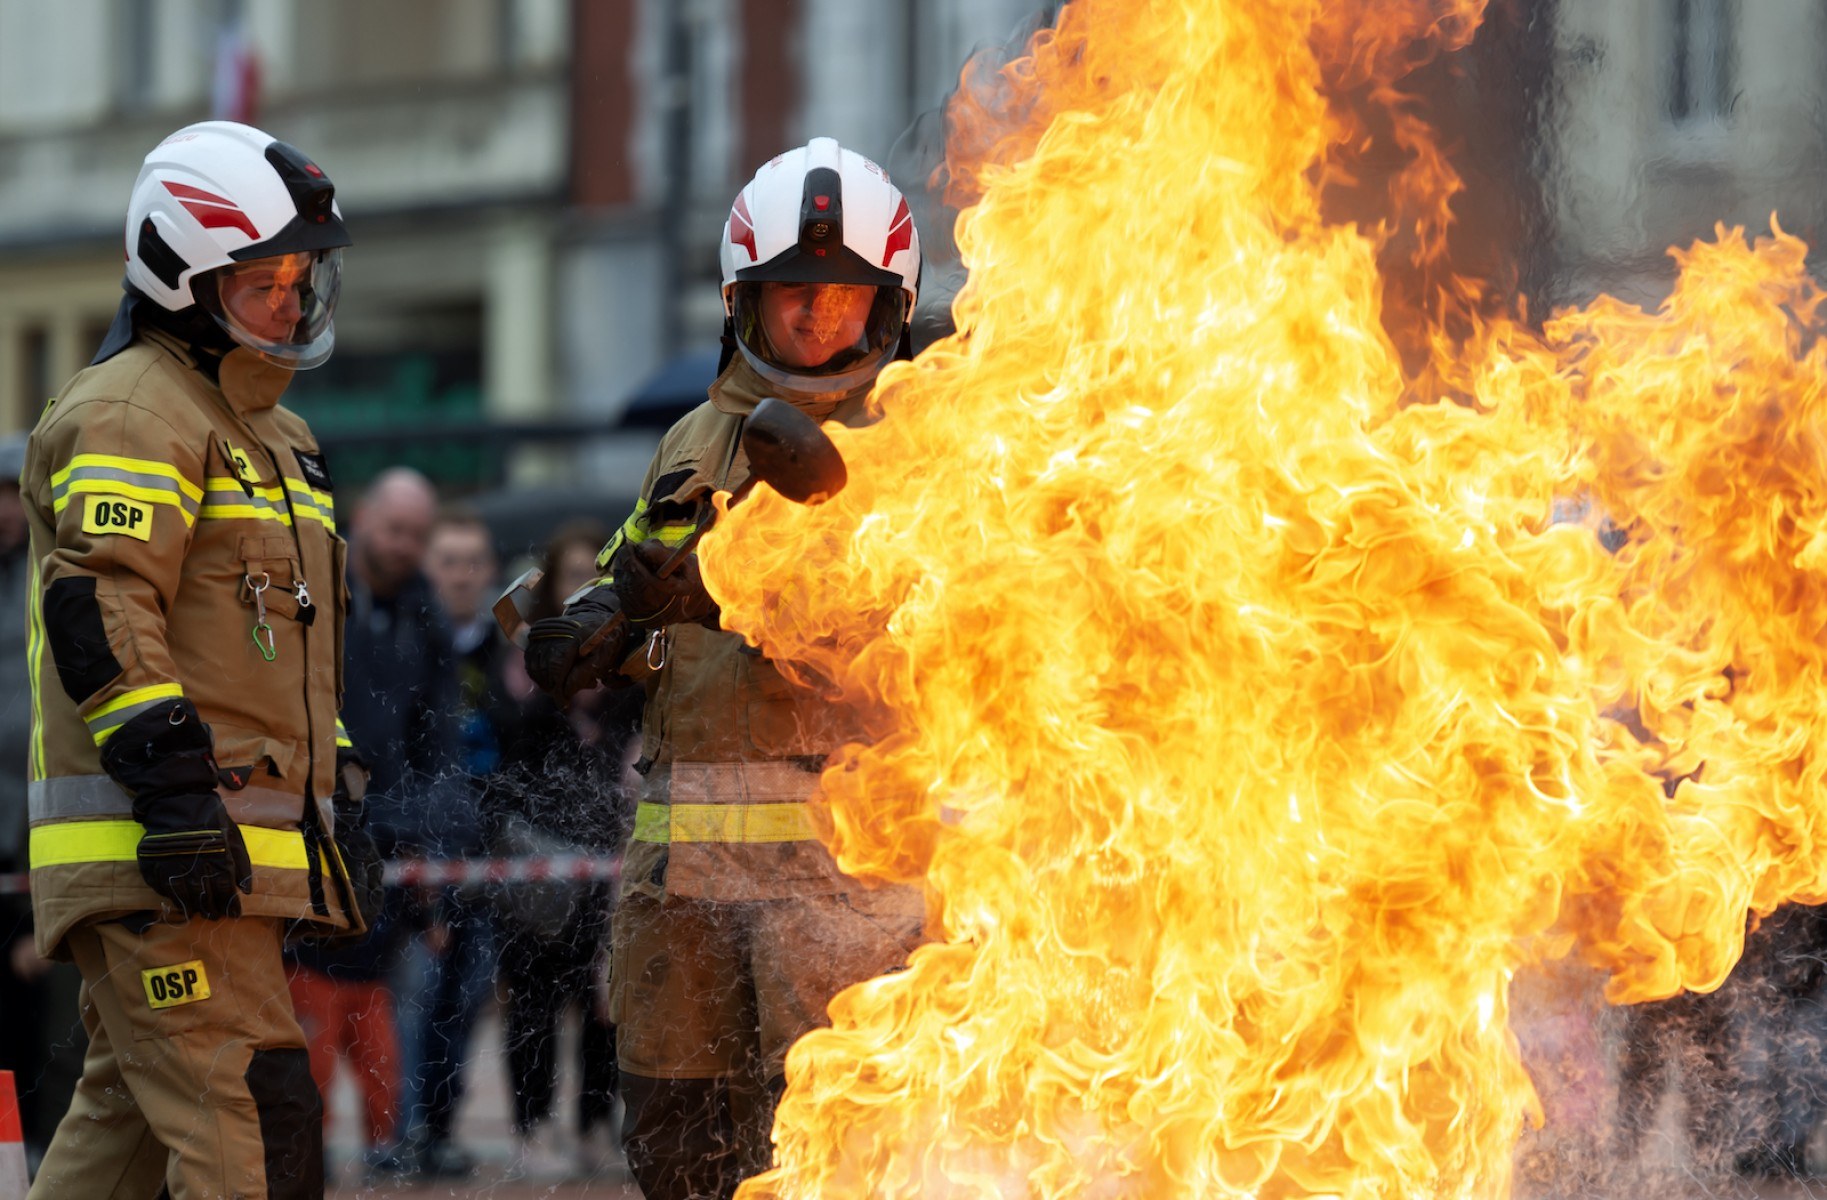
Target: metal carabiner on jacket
(656,642)
(268,650)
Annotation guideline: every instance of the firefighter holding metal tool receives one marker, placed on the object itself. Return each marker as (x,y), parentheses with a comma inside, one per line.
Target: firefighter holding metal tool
(735,928)
(192,799)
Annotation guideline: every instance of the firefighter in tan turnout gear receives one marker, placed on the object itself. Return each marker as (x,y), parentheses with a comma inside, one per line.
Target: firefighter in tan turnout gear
(188,808)
(735,928)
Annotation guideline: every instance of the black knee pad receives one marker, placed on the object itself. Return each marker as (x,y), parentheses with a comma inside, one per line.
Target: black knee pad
(291,1122)
(678,1137)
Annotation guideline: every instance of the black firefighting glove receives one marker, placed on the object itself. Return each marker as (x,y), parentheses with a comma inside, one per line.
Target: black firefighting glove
(361,857)
(568,653)
(651,599)
(191,853)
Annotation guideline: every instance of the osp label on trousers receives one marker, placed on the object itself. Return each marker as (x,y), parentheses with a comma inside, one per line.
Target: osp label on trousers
(168,987)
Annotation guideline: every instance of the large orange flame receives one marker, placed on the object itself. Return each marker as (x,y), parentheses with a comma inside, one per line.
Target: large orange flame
(1250,711)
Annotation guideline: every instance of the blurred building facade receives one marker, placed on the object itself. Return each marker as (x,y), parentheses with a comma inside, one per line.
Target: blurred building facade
(1674,115)
(536,187)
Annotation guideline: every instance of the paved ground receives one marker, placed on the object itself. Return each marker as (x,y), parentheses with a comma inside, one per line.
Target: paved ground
(484,1129)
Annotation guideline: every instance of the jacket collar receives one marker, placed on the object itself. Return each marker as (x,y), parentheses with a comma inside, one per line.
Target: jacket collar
(248,382)
(740,388)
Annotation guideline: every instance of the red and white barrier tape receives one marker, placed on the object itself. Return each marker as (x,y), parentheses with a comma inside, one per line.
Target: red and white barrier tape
(461,872)
(12,1142)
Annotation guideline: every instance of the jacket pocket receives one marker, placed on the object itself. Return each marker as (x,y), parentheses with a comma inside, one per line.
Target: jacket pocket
(784,721)
(272,560)
(247,752)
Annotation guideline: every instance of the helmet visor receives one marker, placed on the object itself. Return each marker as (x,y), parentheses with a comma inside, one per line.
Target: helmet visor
(278,307)
(818,330)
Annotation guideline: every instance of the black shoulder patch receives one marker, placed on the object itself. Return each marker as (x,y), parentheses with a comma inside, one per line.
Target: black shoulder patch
(79,642)
(316,469)
(667,484)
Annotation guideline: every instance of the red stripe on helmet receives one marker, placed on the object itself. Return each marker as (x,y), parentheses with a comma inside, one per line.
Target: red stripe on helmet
(742,228)
(211,217)
(900,232)
(184,191)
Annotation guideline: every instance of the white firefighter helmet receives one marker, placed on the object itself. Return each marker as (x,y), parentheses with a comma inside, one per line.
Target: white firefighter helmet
(246,227)
(817,216)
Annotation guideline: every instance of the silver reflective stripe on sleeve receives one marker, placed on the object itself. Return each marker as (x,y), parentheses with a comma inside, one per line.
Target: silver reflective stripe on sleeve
(87,797)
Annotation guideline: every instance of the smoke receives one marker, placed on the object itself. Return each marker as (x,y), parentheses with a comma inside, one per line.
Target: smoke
(1703,1095)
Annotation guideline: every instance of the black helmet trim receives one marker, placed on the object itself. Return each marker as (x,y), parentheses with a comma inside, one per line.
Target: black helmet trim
(834,264)
(311,190)
(316,227)
(159,257)
(298,235)
(821,210)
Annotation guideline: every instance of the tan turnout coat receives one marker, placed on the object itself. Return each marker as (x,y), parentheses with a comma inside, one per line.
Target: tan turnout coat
(159,501)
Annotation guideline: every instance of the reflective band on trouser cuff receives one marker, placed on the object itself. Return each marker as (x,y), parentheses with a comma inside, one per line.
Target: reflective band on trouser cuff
(123,708)
(81,797)
(119,841)
(722,823)
(134,478)
(342,736)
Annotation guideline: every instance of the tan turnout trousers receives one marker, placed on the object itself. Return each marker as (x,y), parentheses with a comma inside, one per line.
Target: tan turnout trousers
(192,1047)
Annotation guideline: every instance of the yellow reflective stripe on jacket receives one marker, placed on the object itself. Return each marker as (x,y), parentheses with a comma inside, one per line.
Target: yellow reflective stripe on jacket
(132,466)
(307,501)
(126,706)
(228,499)
(636,529)
(722,823)
(134,478)
(34,657)
(674,533)
(76,842)
(141,472)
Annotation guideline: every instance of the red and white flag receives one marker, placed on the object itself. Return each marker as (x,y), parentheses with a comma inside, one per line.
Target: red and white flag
(235,95)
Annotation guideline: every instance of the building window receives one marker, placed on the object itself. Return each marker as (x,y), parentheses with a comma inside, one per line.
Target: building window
(1703,68)
(35,369)
(135,55)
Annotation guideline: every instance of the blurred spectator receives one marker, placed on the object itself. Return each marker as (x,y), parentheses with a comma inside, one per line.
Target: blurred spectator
(345,1006)
(566,785)
(400,706)
(461,564)
(397,707)
(41,1039)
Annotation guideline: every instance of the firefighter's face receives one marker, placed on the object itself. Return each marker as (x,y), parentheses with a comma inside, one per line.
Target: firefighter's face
(262,296)
(807,323)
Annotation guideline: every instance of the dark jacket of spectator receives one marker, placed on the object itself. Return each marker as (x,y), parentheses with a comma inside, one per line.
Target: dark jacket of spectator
(399,699)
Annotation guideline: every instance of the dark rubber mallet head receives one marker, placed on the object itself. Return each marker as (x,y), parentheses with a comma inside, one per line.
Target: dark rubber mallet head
(788,450)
